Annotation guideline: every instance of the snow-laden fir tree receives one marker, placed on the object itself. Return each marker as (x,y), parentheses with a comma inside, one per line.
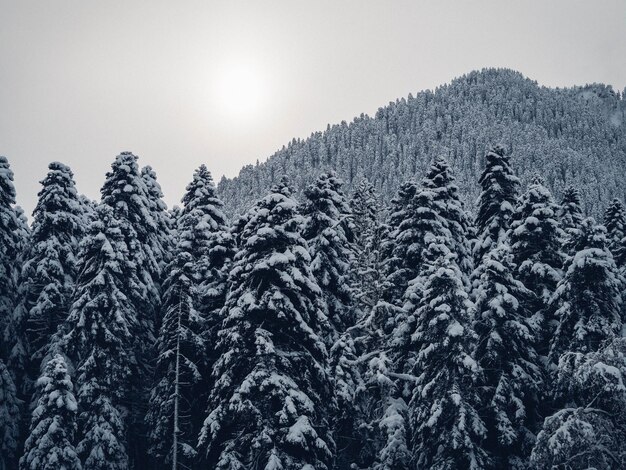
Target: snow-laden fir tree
(496,202)
(447,430)
(9,419)
(50,264)
(98,337)
(589,431)
(180,348)
(513,374)
(615,223)
(12,237)
(271,404)
(570,213)
(161,216)
(125,192)
(366,208)
(51,441)
(329,232)
(447,203)
(585,308)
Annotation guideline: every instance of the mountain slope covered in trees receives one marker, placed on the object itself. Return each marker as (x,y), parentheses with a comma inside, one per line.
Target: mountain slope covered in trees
(570,135)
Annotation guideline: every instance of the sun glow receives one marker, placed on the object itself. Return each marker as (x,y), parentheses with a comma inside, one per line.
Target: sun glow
(241,90)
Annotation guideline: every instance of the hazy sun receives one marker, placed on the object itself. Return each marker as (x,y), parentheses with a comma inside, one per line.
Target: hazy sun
(241,89)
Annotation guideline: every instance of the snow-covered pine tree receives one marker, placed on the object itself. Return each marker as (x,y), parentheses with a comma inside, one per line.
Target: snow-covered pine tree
(98,337)
(571,213)
(589,431)
(366,212)
(125,192)
(161,216)
(513,373)
(173,405)
(446,202)
(50,264)
(270,406)
(329,232)
(9,419)
(585,308)
(536,245)
(615,223)
(51,442)
(496,202)
(12,239)
(447,431)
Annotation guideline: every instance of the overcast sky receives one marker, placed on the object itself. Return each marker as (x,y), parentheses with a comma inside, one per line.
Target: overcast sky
(226,83)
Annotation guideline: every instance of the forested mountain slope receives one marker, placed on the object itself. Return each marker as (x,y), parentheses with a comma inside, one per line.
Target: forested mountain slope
(568,135)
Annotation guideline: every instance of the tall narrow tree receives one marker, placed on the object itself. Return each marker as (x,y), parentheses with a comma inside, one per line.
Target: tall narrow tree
(50,444)
(615,223)
(270,405)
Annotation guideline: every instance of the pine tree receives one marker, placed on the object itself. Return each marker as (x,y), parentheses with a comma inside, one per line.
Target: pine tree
(51,266)
(496,202)
(446,202)
(366,208)
(98,337)
(12,238)
(9,419)
(586,304)
(447,429)
(158,210)
(50,445)
(505,351)
(536,245)
(328,231)
(571,214)
(615,223)
(588,431)
(271,383)
(180,349)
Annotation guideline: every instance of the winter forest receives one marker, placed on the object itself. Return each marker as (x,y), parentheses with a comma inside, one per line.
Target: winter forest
(461,314)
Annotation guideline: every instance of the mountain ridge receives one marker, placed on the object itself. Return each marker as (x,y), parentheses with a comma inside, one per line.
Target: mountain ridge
(581,129)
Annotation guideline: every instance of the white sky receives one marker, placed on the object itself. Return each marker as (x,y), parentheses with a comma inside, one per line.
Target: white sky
(82,80)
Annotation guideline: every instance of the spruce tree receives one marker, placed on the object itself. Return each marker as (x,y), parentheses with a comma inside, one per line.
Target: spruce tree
(615,223)
(585,308)
(98,337)
(180,348)
(272,398)
(512,379)
(9,419)
(328,231)
(50,444)
(12,238)
(571,213)
(496,202)
(446,426)
(51,265)
(158,210)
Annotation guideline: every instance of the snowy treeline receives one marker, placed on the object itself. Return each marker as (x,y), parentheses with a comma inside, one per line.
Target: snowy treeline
(332,331)
(574,136)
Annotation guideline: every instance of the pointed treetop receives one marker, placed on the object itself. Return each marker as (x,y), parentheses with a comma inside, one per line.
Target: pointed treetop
(200,191)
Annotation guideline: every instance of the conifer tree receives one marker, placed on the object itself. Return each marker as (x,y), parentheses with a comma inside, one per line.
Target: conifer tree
(586,304)
(98,337)
(366,212)
(158,209)
(51,265)
(269,407)
(571,213)
(496,202)
(536,240)
(446,426)
(328,231)
(615,223)
(12,238)
(512,379)
(50,444)
(9,419)
(180,348)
